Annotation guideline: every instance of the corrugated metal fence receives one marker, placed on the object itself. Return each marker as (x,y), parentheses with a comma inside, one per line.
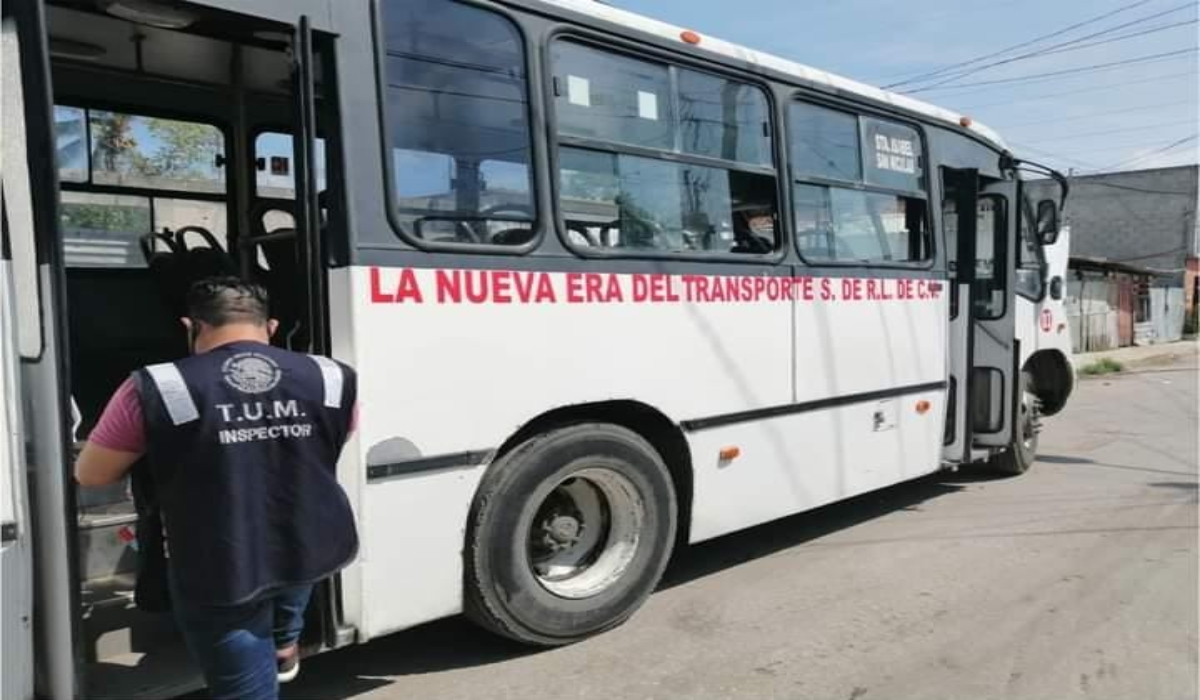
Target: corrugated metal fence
(1166,313)
(1092,314)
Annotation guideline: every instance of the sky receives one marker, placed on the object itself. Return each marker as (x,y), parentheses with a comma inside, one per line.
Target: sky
(1121,117)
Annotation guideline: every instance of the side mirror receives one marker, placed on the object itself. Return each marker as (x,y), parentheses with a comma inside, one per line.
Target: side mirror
(1047,221)
(1056,288)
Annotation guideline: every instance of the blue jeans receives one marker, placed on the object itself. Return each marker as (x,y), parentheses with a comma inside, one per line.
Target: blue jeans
(235,646)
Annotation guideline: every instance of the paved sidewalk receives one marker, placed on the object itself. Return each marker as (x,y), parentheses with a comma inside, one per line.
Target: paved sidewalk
(1141,355)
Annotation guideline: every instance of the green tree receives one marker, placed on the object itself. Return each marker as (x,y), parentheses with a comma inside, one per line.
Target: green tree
(185,150)
(113,143)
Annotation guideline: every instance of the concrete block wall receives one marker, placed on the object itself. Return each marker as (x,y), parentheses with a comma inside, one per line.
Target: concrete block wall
(1142,217)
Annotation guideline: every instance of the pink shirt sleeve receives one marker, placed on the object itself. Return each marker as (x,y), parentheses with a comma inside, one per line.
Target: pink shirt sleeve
(120,426)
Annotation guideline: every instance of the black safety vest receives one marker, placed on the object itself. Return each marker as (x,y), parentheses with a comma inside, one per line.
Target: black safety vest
(242,443)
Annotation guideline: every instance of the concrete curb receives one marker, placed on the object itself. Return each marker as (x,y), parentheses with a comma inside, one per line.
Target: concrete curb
(1138,357)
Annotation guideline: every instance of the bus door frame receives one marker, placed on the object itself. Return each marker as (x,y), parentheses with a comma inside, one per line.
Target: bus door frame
(313,254)
(43,399)
(981,349)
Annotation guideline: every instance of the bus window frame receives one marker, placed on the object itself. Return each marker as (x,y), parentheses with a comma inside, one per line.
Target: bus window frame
(930,263)
(89,185)
(1028,223)
(620,45)
(535,120)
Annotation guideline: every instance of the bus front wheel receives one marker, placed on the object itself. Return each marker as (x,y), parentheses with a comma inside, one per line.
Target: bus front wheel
(568,535)
(1020,455)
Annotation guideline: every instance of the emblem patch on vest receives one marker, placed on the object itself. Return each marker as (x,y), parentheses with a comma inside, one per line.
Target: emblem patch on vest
(251,372)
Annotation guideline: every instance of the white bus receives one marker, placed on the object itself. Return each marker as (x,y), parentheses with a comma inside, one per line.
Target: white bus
(612,287)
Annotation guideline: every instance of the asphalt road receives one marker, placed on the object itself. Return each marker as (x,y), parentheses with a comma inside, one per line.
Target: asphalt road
(1076,580)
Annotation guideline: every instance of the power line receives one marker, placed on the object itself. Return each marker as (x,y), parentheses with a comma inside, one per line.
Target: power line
(1055,156)
(1089,166)
(1062,93)
(1081,69)
(1072,161)
(1088,115)
(1113,131)
(1022,45)
(1164,149)
(1073,45)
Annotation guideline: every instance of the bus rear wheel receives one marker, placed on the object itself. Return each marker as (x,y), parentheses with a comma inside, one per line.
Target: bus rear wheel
(569,534)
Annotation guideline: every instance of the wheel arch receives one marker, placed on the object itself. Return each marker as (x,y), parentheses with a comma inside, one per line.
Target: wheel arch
(1053,379)
(663,434)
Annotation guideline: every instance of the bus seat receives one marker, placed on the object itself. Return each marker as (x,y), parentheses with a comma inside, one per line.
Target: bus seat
(208,260)
(117,322)
(281,272)
(163,264)
(513,236)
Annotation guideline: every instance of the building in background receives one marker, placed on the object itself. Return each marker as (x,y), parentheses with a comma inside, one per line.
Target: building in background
(1111,305)
(1133,233)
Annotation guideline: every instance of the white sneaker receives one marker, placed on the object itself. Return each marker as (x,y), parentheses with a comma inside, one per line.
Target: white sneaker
(289,666)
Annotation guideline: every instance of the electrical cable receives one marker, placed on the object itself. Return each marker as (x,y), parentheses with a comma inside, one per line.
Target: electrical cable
(1021,45)
(1075,44)
(1051,74)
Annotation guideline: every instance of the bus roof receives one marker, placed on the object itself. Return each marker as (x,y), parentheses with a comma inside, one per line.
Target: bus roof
(726,49)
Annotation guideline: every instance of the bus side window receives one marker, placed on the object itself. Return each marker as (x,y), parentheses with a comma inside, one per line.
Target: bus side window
(858,189)
(457,117)
(1031,262)
(990,284)
(168,171)
(275,157)
(658,158)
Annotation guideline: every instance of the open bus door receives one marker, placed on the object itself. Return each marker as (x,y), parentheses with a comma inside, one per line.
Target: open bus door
(979,218)
(39,621)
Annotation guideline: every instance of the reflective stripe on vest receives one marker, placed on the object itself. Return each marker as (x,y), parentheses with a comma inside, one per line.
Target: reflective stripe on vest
(174,393)
(331,374)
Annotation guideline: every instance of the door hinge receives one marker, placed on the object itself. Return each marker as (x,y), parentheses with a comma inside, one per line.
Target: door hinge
(8,532)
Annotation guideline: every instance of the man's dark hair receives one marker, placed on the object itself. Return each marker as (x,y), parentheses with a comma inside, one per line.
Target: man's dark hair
(219,301)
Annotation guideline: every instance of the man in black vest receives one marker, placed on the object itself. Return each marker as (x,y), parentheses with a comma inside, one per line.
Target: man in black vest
(241,441)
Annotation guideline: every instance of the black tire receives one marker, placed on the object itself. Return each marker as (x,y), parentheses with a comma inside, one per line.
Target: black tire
(1020,455)
(505,535)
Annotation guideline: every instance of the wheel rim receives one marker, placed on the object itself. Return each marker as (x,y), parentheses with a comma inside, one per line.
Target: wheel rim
(1029,422)
(585,533)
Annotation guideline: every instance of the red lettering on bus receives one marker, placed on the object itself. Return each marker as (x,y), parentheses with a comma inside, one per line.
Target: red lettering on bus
(377,294)
(524,282)
(449,286)
(666,285)
(773,288)
(575,288)
(501,291)
(545,290)
(718,288)
(477,287)
(408,289)
(612,291)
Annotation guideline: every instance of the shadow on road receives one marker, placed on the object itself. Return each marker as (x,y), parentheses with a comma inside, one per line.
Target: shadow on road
(456,643)
(1064,459)
(700,560)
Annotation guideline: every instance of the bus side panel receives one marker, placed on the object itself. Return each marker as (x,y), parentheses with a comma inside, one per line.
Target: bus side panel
(814,459)
(844,348)
(444,384)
